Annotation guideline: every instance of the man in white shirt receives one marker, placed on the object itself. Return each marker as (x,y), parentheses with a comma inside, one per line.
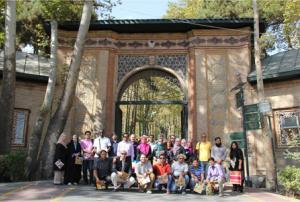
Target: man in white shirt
(127,146)
(101,143)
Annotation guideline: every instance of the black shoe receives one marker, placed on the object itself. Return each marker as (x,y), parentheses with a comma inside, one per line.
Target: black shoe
(241,191)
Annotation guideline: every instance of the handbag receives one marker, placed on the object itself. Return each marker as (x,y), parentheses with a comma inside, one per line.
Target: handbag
(144,180)
(78,160)
(180,182)
(100,185)
(235,177)
(163,179)
(199,187)
(59,164)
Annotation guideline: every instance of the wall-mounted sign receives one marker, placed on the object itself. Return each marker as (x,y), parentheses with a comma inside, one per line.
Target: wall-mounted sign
(252,117)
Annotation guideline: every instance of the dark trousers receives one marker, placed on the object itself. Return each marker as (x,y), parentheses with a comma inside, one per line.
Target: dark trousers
(87,166)
(237,187)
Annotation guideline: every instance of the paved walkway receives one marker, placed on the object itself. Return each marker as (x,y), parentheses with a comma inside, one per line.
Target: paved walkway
(45,191)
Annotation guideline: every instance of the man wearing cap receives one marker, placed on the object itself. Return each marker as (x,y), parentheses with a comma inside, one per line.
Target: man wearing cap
(179,174)
(101,143)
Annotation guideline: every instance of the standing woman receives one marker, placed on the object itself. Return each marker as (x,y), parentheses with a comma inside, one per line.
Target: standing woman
(144,148)
(74,162)
(60,158)
(237,164)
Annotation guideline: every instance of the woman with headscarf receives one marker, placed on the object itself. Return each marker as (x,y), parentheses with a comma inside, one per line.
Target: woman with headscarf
(74,162)
(60,158)
(237,164)
(144,148)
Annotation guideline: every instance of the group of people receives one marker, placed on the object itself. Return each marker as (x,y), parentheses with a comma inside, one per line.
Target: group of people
(173,164)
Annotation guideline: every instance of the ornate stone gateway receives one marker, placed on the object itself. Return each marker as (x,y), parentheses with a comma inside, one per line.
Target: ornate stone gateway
(151,97)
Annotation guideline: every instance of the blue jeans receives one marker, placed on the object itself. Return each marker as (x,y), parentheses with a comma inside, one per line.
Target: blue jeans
(172,186)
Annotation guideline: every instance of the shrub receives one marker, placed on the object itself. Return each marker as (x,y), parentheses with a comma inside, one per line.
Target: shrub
(289,177)
(12,166)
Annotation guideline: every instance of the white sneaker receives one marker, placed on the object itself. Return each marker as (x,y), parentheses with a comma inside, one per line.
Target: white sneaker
(183,193)
(69,183)
(149,192)
(221,194)
(75,183)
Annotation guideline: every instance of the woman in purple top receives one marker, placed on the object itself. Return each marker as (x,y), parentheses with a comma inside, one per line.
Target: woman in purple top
(144,148)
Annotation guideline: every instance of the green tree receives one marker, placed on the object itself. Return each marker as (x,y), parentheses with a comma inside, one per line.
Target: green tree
(282,17)
(31,18)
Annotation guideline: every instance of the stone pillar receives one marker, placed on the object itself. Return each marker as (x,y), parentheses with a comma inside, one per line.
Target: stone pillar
(192,114)
(201,88)
(217,93)
(110,94)
(101,89)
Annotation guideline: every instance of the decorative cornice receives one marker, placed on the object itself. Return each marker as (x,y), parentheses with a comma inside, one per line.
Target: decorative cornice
(196,41)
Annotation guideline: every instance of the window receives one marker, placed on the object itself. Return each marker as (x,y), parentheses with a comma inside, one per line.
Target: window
(20,127)
(287,126)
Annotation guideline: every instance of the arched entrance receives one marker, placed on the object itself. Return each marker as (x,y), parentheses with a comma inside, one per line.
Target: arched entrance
(151,101)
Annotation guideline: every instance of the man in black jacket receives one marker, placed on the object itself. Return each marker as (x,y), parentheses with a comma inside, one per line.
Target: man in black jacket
(121,171)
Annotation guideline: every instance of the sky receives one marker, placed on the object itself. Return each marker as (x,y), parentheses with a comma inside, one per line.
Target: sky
(140,9)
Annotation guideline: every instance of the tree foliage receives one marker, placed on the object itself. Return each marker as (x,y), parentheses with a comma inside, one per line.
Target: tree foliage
(282,17)
(33,14)
(152,118)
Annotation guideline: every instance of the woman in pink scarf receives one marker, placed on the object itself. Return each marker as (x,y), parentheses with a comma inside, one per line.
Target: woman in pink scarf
(144,148)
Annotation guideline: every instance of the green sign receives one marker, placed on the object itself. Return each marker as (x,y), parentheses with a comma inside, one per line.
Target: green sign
(239,99)
(253,125)
(239,138)
(252,117)
(251,108)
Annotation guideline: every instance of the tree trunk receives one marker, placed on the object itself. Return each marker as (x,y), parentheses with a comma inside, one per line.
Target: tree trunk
(31,163)
(7,99)
(267,138)
(58,121)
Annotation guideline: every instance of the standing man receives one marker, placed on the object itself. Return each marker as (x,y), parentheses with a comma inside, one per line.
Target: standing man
(101,143)
(135,144)
(218,151)
(114,145)
(126,146)
(88,157)
(203,150)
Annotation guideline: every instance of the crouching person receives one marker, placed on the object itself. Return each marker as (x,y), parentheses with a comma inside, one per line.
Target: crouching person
(144,174)
(179,177)
(215,175)
(161,170)
(121,171)
(197,177)
(102,170)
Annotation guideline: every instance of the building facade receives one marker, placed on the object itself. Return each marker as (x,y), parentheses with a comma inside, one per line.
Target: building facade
(208,58)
